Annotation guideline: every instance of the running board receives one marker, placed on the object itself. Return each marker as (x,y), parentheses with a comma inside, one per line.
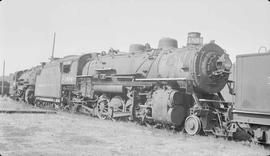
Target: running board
(213,101)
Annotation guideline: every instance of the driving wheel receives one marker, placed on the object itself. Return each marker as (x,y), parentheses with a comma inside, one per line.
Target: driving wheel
(103,109)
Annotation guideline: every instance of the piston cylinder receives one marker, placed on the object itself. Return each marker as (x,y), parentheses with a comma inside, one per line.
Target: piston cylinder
(162,112)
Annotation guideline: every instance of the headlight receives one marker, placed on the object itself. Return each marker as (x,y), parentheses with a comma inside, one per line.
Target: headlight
(224,62)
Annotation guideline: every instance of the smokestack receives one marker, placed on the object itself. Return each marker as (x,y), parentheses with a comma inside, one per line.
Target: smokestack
(194,39)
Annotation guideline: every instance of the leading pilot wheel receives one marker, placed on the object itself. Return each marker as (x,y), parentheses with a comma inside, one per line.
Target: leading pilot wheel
(192,125)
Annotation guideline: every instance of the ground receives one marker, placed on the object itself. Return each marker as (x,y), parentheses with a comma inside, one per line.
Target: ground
(73,134)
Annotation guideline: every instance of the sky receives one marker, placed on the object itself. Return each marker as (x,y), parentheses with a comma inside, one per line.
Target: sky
(84,26)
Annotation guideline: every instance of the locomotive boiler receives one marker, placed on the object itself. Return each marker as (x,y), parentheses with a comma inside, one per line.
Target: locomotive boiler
(168,85)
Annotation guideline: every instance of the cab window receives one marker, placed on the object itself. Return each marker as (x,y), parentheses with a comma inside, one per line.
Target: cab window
(66,68)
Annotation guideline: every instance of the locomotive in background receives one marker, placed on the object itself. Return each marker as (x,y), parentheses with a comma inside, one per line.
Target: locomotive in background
(23,84)
(6,88)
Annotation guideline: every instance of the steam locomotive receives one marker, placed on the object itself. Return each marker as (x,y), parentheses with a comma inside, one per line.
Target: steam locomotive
(23,84)
(168,85)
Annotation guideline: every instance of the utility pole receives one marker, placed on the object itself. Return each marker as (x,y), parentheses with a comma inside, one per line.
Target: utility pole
(3,78)
(54,36)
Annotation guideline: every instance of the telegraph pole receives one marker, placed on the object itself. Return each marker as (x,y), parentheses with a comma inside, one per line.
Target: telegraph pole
(3,79)
(54,36)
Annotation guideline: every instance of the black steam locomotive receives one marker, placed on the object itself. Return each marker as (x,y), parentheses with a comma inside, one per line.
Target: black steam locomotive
(179,87)
(168,86)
